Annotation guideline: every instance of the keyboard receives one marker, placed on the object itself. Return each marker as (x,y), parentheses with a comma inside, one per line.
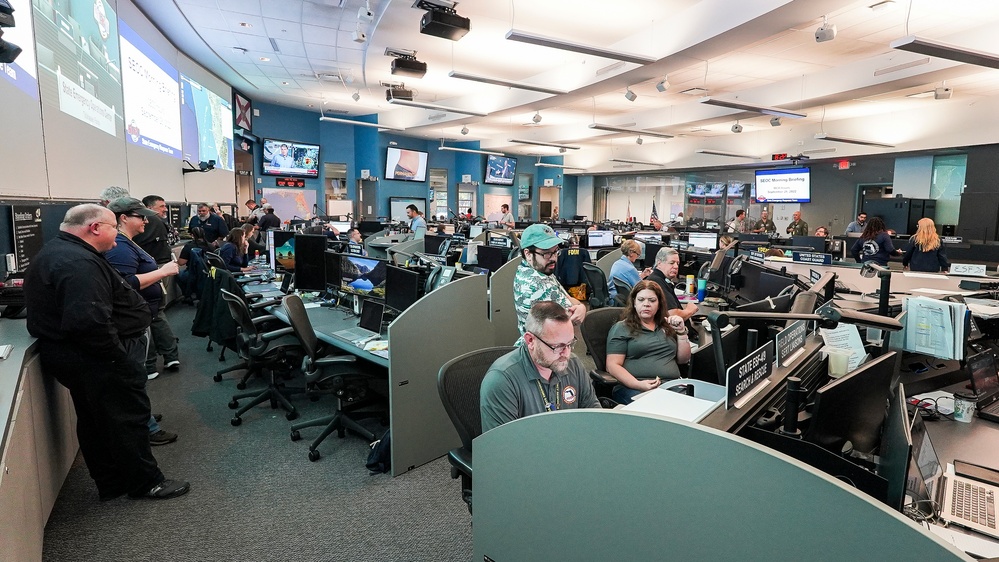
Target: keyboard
(356,335)
(973,503)
(841,288)
(992,408)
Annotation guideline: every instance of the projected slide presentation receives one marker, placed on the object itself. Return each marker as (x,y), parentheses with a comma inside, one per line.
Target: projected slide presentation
(206,124)
(22,71)
(79,69)
(152,95)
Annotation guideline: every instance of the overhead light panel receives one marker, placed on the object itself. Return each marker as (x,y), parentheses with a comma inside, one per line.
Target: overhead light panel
(663,84)
(505,83)
(915,44)
(553,43)
(470,150)
(642,162)
(631,96)
(361,123)
(411,103)
(564,147)
(563,166)
(724,153)
(747,106)
(616,129)
(847,140)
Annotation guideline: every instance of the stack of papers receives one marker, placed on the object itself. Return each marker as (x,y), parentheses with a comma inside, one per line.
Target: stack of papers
(983,308)
(934,327)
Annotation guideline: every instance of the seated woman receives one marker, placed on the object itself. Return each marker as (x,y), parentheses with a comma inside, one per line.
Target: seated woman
(233,252)
(624,268)
(925,253)
(644,348)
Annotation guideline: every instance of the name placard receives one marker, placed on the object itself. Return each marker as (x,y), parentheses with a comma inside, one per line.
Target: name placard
(814,276)
(951,239)
(967,269)
(749,375)
(812,258)
(790,341)
(757,257)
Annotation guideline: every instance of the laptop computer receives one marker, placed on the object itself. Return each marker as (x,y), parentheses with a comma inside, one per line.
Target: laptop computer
(955,499)
(370,326)
(985,384)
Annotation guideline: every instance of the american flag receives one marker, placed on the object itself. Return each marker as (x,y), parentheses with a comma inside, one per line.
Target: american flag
(655,215)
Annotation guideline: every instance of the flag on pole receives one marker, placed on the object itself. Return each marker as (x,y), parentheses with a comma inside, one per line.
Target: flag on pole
(630,218)
(655,215)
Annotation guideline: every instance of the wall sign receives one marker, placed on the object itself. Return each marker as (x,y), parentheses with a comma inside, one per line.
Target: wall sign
(27,233)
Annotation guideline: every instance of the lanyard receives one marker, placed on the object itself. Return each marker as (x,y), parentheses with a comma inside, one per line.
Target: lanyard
(548,406)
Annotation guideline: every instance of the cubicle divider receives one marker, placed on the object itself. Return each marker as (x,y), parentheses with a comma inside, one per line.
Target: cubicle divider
(607,261)
(406,249)
(442,325)
(502,312)
(689,493)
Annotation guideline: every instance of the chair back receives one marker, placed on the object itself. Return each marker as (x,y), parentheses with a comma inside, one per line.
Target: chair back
(623,291)
(458,383)
(240,312)
(294,309)
(214,260)
(596,282)
(595,328)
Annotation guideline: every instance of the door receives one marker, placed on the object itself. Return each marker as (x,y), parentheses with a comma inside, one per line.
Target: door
(367,201)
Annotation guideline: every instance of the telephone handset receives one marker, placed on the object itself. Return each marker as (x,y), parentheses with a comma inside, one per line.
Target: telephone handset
(441,275)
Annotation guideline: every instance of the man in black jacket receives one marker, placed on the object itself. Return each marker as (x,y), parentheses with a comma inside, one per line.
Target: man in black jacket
(154,239)
(91,330)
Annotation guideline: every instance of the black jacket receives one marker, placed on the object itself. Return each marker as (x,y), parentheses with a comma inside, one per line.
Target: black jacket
(213,318)
(154,240)
(569,267)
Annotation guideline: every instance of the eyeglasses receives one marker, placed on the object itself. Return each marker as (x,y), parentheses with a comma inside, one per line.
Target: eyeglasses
(136,216)
(558,349)
(546,255)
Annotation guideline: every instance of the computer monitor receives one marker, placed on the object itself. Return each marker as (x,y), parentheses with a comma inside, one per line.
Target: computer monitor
(341,226)
(281,250)
(895,453)
(702,362)
(777,304)
(474,230)
(649,237)
(705,240)
(599,239)
(331,263)
(310,270)
(853,407)
(491,257)
(371,315)
(816,243)
(499,240)
(753,241)
(362,275)
(370,227)
(432,243)
(402,287)
(771,284)
(649,256)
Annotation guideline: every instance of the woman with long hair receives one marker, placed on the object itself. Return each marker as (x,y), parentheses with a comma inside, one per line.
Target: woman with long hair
(233,252)
(874,244)
(645,346)
(925,252)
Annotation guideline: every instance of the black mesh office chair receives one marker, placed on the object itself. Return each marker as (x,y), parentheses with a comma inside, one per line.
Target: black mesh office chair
(326,373)
(458,383)
(594,330)
(259,354)
(623,290)
(604,251)
(596,283)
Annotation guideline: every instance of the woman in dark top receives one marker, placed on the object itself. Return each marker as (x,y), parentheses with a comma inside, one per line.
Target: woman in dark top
(925,253)
(233,252)
(874,244)
(645,346)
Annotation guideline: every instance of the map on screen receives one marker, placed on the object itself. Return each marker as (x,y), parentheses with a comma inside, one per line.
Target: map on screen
(206,124)
(291,203)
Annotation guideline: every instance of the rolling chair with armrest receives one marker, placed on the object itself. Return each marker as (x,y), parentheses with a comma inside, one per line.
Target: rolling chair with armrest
(623,291)
(596,285)
(458,383)
(258,355)
(326,374)
(594,330)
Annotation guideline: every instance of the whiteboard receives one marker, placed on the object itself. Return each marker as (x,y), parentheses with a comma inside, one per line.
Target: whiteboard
(339,207)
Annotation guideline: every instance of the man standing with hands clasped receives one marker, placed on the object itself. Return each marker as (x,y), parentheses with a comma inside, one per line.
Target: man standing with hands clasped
(798,227)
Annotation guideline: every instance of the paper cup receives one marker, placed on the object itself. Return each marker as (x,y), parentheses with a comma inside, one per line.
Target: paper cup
(964,408)
(839,362)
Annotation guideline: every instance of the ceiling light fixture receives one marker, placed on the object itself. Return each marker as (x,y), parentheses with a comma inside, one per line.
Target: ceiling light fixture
(356,95)
(631,96)
(724,153)
(265,59)
(410,103)
(663,84)
(847,140)
(537,117)
(563,147)
(464,130)
(915,44)
(505,83)
(825,32)
(882,6)
(747,106)
(361,123)
(775,121)
(642,162)
(563,166)
(615,129)
(639,141)
(471,150)
(737,128)
(553,43)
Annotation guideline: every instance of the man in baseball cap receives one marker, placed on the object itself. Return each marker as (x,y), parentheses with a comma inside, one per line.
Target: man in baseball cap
(535,281)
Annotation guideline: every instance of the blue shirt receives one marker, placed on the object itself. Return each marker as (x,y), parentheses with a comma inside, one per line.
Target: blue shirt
(213,226)
(624,270)
(130,260)
(417,222)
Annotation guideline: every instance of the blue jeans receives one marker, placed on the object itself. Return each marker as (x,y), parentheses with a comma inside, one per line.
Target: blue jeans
(624,395)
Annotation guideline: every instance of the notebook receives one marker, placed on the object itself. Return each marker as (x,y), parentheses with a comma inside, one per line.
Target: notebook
(955,499)
(985,384)
(369,327)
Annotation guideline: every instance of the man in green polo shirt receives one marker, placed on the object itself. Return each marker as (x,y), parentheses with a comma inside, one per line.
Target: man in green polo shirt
(540,376)
(534,280)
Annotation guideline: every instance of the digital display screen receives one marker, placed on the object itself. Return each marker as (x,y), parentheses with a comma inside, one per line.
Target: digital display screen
(405,165)
(599,238)
(22,71)
(283,158)
(290,204)
(786,185)
(500,170)
(707,240)
(152,96)
(206,124)
(363,276)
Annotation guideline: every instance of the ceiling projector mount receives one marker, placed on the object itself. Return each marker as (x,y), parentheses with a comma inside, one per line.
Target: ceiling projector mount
(441,20)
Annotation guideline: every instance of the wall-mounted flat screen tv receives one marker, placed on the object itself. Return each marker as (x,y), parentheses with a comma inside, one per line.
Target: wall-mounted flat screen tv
(500,170)
(405,165)
(783,185)
(286,158)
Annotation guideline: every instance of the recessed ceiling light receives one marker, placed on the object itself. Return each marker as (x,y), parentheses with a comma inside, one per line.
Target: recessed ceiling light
(245,24)
(264,59)
(284,83)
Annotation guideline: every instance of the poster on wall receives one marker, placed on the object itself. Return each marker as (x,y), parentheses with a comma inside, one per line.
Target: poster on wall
(27,233)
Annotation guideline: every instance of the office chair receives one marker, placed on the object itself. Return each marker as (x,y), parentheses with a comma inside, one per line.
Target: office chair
(327,374)
(255,348)
(604,251)
(458,383)
(213,259)
(623,291)
(596,282)
(594,330)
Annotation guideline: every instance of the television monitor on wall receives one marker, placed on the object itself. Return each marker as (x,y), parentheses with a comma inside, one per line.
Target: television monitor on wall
(405,165)
(286,158)
(783,185)
(500,170)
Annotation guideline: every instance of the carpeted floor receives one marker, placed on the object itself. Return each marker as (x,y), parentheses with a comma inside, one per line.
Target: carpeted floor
(254,494)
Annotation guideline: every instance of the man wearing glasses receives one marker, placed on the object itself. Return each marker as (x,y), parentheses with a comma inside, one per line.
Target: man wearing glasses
(213,225)
(91,328)
(535,281)
(540,376)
